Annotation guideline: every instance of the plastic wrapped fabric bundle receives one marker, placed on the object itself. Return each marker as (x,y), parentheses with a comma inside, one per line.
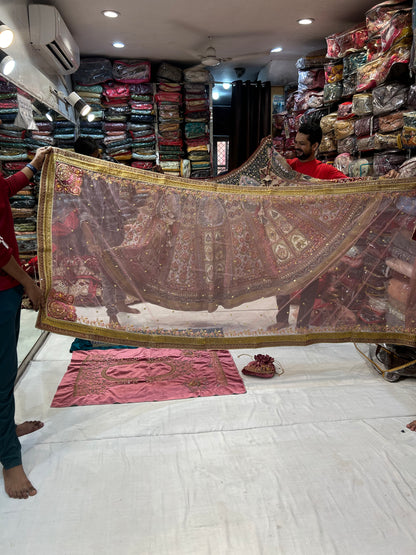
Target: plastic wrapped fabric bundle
(362,104)
(311,61)
(168,97)
(385,161)
(345,110)
(342,162)
(376,72)
(380,15)
(408,137)
(411,97)
(311,79)
(308,99)
(131,71)
(353,61)
(332,92)
(197,75)
(389,98)
(408,168)
(349,84)
(93,71)
(168,73)
(366,126)
(341,44)
(333,72)
(362,167)
(374,48)
(391,122)
(347,145)
(409,119)
(366,143)
(327,123)
(398,27)
(388,141)
(343,128)
(328,144)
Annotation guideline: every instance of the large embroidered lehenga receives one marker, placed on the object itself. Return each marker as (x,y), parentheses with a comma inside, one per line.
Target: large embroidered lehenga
(204,261)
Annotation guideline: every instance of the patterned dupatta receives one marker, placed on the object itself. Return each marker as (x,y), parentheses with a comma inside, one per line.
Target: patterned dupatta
(204,262)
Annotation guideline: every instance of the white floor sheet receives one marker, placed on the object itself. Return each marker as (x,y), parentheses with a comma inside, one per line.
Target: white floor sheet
(316,461)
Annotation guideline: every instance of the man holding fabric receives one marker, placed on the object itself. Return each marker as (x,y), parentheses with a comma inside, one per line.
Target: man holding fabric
(307,141)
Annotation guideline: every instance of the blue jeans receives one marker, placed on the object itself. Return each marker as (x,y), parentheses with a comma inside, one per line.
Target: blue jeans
(10,304)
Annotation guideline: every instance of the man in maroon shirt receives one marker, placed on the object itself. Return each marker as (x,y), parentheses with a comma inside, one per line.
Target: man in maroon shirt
(307,141)
(13,281)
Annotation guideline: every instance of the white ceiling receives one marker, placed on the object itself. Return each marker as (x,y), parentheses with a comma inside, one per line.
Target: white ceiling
(177,30)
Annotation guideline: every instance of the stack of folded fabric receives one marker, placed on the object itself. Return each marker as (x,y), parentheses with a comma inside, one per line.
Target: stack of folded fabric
(115,100)
(8,101)
(169,100)
(64,134)
(141,126)
(12,144)
(92,129)
(24,207)
(91,94)
(42,136)
(196,129)
(14,156)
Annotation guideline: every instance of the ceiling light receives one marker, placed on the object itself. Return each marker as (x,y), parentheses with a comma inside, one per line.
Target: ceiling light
(118,44)
(110,13)
(306,21)
(215,95)
(78,104)
(226,86)
(50,115)
(91,117)
(7,63)
(6,36)
(277,49)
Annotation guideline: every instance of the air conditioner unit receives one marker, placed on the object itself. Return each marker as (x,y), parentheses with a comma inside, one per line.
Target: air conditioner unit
(51,37)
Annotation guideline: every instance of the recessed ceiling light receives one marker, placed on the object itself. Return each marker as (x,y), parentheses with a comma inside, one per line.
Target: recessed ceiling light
(118,44)
(226,86)
(306,21)
(215,95)
(277,49)
(110,13)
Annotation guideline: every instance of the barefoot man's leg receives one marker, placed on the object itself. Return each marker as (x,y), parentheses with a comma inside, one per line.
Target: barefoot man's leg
(16,483)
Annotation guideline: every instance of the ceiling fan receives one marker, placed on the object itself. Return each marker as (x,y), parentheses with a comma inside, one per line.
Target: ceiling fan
(210,58)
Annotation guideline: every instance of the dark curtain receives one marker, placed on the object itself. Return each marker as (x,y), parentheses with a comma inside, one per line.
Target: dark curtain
(250,119)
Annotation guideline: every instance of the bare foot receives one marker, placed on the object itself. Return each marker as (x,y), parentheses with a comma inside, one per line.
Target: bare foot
(412,426)
(28,427)
(17,484)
